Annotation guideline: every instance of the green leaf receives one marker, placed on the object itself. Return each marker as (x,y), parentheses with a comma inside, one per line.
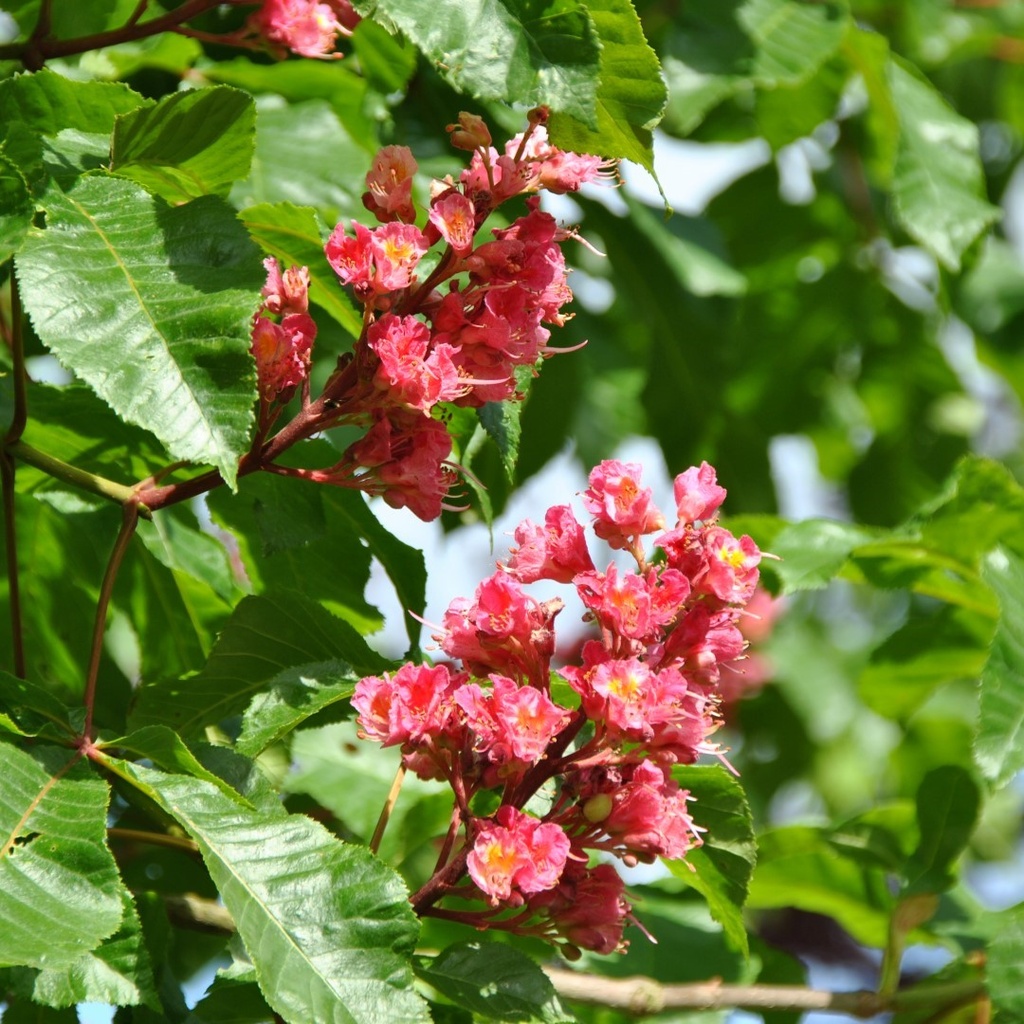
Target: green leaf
(151,305)
(948,802)
(814,551)
(118,972)
(292,234)
(285,647)
(720,49)
(501,421)
(329,175)
(30,709)
(631,95)
(928,651)
(796,867)
(328,927)
(1005,967)
(297,535)
(493,980)
(16,207)
(60,894)
(938,184)
(880,837)
(999,745)
(168,751)
(403,563)
(387,61)
(49,103)
(720,869)
(522,52)
(190,144)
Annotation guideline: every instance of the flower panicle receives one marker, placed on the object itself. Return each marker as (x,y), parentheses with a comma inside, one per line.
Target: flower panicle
(641,697)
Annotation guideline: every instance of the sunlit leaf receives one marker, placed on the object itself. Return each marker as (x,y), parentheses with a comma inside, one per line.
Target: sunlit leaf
(721,868)
(190,144)
(148,304)
(60,894)
(512,50)
(999,746)
(328,927)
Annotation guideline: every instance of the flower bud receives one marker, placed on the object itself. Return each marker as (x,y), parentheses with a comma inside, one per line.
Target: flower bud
(597,808)
(470,133)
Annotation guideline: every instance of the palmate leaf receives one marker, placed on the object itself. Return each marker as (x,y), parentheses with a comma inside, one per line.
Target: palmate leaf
(328,927)
(521,51)
(60,893)
(150,305)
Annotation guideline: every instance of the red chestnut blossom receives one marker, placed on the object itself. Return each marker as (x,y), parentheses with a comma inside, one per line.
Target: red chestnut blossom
(513,724)
(517,852)
(732,565)
(407,373)
(305,27)
(453,215)
(282,350)
(587,908)
(555,551)
(411,706)
(697,494)
(286,292)
(389,185)
(622,509)
(648,814)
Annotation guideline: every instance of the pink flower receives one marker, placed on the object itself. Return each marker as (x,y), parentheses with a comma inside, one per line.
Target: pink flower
(282,352)
(389,185)
(453,215)
(587,907)
(697,494)
(397,248)
(285,293)
(305,27)
(407,373)
(352,258)
(517,851)
(502,629)
(633,606)
(732,565)
(649,815)
(555,551)
(411,706)
(621,508)
(513,724)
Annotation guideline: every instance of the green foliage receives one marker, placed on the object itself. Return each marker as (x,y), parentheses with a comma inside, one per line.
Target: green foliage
(175,716)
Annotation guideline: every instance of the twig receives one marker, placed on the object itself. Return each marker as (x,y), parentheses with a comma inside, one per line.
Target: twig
(389,806)
(124,537)
(134,835)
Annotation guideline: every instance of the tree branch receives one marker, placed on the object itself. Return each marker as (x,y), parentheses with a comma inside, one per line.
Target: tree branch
(643,996)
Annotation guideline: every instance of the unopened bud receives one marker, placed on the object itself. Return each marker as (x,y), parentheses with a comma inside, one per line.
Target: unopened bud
(539,115)
(597,808)
(470,133)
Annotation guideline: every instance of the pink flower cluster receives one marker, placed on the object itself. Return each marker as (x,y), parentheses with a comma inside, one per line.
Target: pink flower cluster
(458,333)
(309,28)
(283,332)
(607,730)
